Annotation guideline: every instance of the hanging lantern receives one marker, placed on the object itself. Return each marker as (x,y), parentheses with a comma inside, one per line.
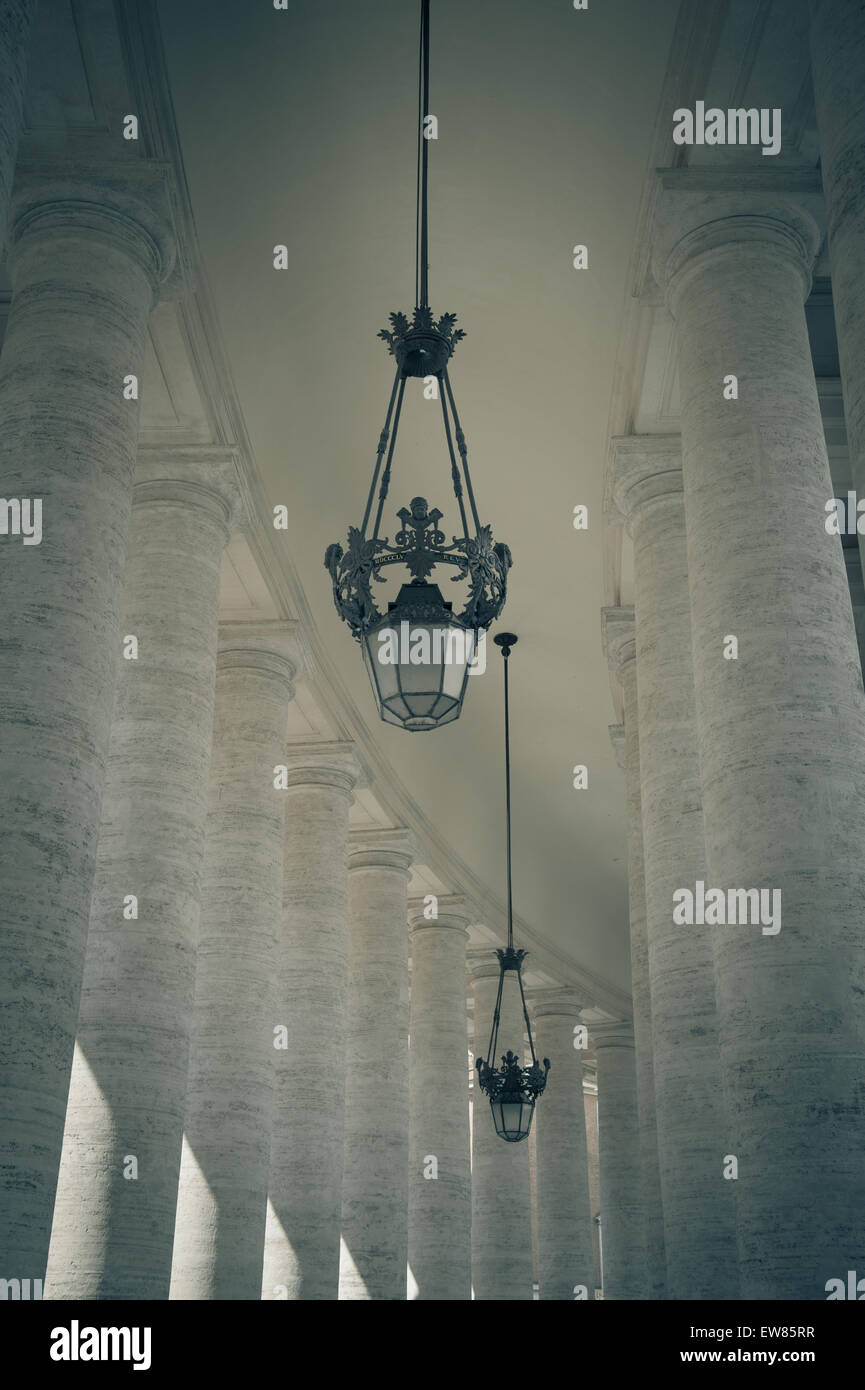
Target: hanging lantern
(512,1089)
(420,653)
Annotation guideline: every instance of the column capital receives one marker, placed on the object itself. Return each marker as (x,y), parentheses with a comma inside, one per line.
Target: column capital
(322,765)
(617,739)
(618,632)
(485,965)
(558,1003)
(646,473)
(718,213)
(205,477)
(125,206)
(381,849)
(452,915)
(618,1034)
(268,647)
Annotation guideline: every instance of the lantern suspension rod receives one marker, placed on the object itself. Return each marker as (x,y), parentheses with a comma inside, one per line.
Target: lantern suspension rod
(422,242)
(506,651)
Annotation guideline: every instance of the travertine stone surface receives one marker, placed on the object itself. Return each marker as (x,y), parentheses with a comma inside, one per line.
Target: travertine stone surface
(619,1143)
(113,1233)
(439,1209)
(16,23)
(781,735)
(590,1098)
(693,1136)
(374,1253)
(620,646)
(501,1194)
(222,1198)
(838,72)
(86,260)
(565,1255)
(301,1250)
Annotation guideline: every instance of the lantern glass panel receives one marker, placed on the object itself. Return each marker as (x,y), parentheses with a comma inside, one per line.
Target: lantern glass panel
(418,668)
(512,1118)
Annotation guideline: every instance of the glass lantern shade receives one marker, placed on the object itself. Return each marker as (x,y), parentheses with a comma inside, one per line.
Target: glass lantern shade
(512,1117)
(418,658)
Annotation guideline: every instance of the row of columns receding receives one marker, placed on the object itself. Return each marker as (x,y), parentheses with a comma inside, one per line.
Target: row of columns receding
(238,1099)
(746,768)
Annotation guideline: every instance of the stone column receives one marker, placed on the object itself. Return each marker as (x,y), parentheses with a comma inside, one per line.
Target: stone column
(222,1198)
(301,1248)
(619,1144)
(501,1194)
(590,1099)
(16,23)
(693,1135)
(117,1192)
(532,1142)
(781,731)
(439,1207)
(565,1255)
(838,73)
(374,1254)
(620,647)
(85,262)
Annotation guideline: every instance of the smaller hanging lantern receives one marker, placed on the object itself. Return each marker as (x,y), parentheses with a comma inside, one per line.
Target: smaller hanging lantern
(512,1089)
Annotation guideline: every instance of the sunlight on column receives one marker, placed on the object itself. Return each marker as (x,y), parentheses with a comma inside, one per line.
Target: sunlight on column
(413,1286)
(347,1266)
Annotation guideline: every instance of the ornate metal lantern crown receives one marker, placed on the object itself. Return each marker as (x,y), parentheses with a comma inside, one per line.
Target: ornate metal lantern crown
(410,697)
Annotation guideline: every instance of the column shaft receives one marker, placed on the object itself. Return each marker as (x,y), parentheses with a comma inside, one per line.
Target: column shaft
(838,73)
(565,1254)
(693,1137)
(501,1195)
(16,23)
(117,1193)
(621,646)
(85,264)
(301,1249)
(439,1208)
(781,742)
(375,1183)
(624,1268)
(222,1198)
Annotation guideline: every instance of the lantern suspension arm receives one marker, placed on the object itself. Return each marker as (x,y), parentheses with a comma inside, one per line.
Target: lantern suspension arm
(385,482)
(455,472)
(526,1017)
(422,244)
(461,445)
(382,445)
(494,1031)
